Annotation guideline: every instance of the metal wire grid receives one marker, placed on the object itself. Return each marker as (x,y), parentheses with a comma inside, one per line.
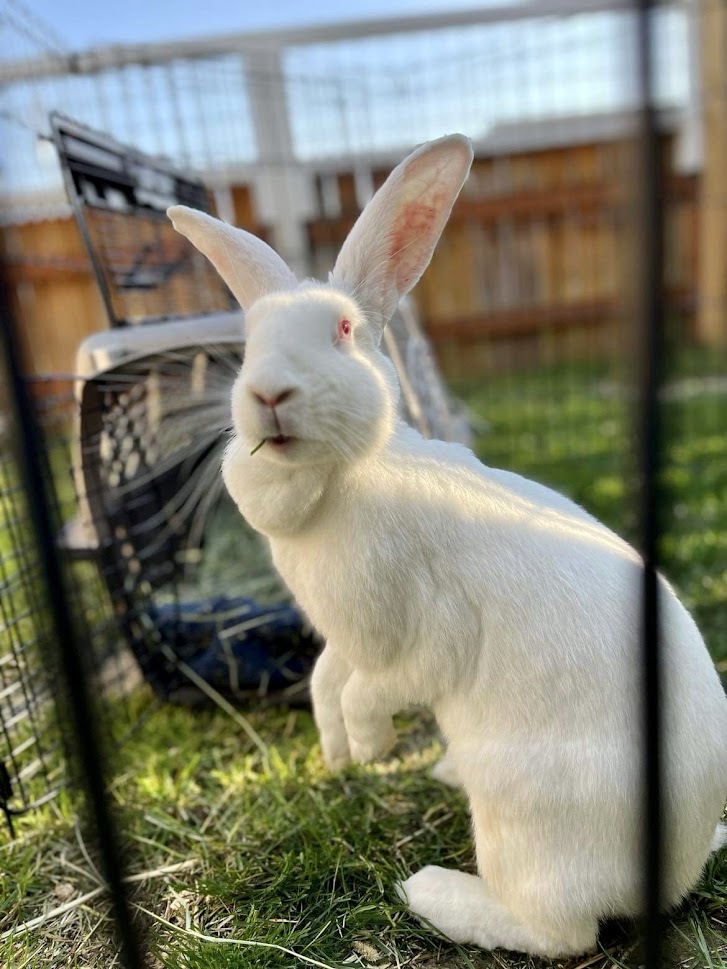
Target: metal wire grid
(25,34)
(29,765)
(69,662)
(145,269)
(346,96)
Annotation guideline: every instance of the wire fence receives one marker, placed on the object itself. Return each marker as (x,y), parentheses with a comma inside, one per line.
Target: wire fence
(334,96)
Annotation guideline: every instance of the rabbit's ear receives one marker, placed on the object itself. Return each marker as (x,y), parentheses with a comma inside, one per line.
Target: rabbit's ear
(247,264)
(393,239)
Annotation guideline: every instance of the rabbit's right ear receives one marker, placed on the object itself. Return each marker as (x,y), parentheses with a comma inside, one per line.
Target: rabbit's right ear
(393,239)
(247,264)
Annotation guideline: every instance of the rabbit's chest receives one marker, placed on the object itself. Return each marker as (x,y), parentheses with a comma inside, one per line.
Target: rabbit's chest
(353,580)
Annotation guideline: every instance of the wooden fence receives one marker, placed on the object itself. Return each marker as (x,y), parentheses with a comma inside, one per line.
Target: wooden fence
(533,266)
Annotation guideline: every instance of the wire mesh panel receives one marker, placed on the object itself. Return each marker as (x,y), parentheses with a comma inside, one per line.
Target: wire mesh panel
(119,196)
(31,766)
(34,760)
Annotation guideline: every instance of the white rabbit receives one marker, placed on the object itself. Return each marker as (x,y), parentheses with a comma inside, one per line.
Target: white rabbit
(499,604)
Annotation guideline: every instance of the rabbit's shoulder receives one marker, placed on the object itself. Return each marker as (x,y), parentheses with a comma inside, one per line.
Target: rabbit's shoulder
(456,464)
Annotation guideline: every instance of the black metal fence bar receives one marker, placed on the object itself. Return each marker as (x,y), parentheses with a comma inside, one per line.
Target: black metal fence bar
(650,235)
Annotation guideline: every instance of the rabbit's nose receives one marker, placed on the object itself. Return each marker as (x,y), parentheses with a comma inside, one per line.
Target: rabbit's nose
(272,399)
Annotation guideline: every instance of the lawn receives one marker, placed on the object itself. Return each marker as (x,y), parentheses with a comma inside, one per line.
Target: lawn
(244,852)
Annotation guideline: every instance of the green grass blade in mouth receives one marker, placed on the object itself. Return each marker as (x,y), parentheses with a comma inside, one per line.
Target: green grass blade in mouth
(258,446)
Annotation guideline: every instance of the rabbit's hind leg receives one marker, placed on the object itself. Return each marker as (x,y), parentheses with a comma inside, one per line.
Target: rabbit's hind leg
(461,907)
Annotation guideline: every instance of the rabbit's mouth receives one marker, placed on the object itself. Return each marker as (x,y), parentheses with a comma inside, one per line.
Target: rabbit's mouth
(281,440)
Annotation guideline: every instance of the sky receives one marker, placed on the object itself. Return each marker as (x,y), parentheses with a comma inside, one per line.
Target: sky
(82,24)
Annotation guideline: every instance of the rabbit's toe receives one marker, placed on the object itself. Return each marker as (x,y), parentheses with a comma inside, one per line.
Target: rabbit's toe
(445,772)
(336,752)
(372,747)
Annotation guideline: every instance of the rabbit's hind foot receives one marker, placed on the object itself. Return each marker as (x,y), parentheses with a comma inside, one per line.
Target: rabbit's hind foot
(460,907)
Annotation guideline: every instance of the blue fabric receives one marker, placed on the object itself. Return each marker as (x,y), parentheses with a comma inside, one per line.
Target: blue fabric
(235,644)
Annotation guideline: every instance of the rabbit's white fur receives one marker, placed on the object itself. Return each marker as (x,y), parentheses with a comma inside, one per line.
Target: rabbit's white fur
(502,606)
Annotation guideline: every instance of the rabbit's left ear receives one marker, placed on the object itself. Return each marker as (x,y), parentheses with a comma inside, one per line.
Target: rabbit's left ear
(247,264)
(393,239)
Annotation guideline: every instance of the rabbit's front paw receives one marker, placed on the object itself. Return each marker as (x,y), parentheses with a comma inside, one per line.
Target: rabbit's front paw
(335,749)
(373,745)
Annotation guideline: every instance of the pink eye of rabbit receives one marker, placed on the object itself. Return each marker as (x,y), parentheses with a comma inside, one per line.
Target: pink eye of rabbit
(344,329)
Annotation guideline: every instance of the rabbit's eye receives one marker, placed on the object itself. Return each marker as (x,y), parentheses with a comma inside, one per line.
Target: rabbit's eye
(344,329)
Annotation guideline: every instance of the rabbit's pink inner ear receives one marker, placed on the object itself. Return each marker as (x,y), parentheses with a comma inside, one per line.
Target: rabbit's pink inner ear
(392,241)
(410,240)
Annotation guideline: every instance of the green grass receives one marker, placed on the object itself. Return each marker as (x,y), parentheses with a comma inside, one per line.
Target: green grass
(274,854)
